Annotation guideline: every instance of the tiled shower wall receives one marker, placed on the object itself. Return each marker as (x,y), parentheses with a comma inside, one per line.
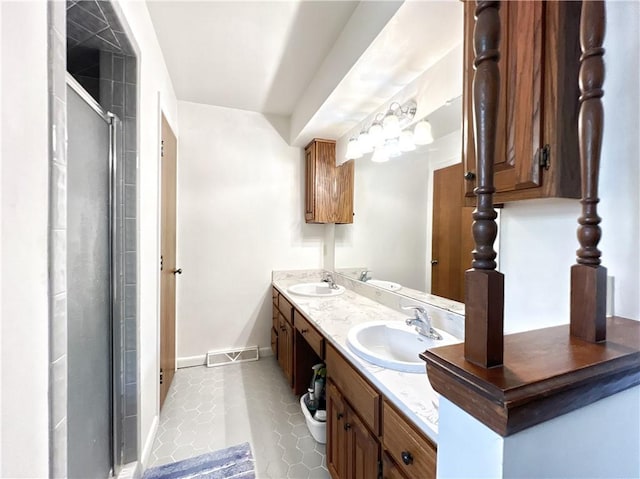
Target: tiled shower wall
(57,240)
(118,79)
(94,24)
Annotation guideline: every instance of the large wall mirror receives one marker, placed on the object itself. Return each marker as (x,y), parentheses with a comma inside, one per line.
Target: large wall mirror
(390,242)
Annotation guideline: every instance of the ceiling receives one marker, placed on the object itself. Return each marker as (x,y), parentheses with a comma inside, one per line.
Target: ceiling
(256,56)
(324,64)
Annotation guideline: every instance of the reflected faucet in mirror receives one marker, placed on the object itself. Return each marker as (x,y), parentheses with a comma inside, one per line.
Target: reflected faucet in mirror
(365,275)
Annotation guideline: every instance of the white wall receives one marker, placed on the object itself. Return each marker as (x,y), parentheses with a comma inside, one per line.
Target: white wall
(388,234)
(538,238)
(600,440)
(154,83)
(240,216)
(24,333)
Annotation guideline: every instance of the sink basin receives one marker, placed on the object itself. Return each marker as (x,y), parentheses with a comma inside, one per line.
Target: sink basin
(390,285)
(393,345)
(321,289)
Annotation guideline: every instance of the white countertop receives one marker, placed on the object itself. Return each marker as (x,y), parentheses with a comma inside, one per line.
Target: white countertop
(409,392)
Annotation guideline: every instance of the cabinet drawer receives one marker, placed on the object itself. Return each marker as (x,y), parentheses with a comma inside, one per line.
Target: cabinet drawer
(413,453)
(364,399)
(274,294)
(285,308)
(309,333)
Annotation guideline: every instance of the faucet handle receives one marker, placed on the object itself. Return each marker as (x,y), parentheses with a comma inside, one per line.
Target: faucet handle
(419,311)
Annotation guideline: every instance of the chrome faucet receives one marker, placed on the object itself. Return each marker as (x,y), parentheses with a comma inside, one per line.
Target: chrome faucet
(422,322)
(364,276)
(328,278)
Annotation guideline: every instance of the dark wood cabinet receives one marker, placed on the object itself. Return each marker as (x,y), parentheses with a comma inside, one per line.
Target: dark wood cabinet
(407,449)
(361,425)
(285,349)
(328,188)
(352,451)
(537,138)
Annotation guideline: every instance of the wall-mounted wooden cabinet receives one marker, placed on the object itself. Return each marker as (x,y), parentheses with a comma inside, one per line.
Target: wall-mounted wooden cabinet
(328,188)
(537,139)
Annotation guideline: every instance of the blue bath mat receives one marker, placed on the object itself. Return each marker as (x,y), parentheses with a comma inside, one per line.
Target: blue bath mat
(234,462)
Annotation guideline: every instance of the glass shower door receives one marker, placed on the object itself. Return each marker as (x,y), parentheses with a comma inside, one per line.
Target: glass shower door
(89,327)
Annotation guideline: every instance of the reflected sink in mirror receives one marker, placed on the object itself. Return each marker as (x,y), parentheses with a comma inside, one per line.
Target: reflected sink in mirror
(389,285)
(317,290)
(393,345)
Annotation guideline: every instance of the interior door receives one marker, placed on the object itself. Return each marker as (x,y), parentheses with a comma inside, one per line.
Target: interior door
(447,274)
(89,327)
(168,269)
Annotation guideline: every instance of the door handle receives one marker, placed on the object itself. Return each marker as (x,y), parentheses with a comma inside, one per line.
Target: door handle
(177,271)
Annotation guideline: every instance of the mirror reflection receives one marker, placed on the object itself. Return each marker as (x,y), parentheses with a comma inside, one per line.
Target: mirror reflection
(410,225)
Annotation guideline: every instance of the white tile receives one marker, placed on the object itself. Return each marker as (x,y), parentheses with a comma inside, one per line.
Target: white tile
(212,408)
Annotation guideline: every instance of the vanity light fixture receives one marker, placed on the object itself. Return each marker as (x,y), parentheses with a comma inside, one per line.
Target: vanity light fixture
(353,150)
(422,133)
(364,142)
(405,142)
(385,133)
(379,155)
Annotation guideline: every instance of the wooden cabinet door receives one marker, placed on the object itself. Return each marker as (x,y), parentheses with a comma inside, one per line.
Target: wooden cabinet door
(328,188)
(538,98)
(285,349)
(310,174)
(363,447)
(344,193)
(518,139)
(336,433)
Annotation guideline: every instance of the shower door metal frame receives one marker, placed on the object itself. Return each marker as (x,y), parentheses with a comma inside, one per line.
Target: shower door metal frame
(116,350)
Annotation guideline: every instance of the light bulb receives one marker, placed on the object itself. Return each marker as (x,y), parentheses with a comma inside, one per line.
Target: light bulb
(353,150)
(392,148)
(391,126)
(364,140)
(422,133)
(379,155)
(406,141)
(375,135)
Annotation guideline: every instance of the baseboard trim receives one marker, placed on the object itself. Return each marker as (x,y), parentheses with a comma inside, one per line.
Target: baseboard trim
(148,443)
(190,361)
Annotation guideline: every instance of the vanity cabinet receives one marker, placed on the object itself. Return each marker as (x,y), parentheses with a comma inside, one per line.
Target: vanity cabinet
(367,437)
(282,334)
(406,449)
(328,188)
(352,451)
(296,344)
(537,140)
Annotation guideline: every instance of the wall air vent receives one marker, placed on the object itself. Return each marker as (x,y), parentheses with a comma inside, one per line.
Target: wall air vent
(242,355)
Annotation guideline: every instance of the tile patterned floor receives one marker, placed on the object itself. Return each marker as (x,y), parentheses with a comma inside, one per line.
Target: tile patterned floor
(211,408)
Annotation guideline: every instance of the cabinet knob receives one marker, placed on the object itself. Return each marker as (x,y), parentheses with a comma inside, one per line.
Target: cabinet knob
(469,175)
(339,415)
(347,426)
(407,458)
(434,262)
(303,331)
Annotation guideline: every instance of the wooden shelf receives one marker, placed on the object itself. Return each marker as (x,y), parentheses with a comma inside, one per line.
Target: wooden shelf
(546,373)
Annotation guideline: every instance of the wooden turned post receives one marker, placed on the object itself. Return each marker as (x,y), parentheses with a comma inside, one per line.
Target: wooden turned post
(484,286)
(588,277)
